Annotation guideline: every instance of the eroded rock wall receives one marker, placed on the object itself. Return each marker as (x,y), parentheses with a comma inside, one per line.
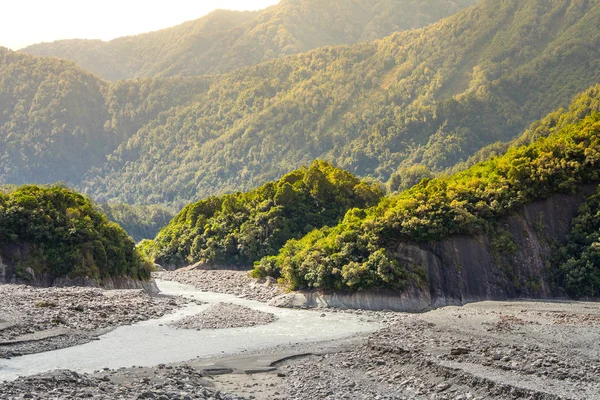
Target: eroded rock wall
(509,263)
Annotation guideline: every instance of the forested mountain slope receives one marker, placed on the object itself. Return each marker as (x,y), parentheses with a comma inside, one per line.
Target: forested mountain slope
(226,40)
(52,117)
(432,96)
(383,245)
(57,121)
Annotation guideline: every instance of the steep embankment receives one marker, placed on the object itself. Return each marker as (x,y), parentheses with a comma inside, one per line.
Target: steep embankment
(485,233)
(54,236)
(226,40)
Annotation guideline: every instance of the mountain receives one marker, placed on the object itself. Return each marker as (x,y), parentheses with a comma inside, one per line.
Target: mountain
(432,96)
(50,233)
(240,228)
(226,40)
(50,112)
(486,232)
(58,121)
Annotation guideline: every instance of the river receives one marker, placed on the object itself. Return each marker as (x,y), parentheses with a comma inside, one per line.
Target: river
(153,342)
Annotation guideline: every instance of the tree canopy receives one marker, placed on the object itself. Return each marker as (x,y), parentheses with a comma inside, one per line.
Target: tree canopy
(57,232)
(240,228)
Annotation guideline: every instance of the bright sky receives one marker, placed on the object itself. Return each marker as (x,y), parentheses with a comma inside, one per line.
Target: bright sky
(25,22)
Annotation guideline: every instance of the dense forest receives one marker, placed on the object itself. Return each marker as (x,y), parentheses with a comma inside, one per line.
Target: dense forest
(52,117)
(140,222)
(576,263)
(240,228)
(226,40)
(430,97)
(564,153)
(433,96)
(55,232)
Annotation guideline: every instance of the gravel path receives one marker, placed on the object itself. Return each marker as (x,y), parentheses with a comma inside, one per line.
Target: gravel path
(223,281)
(41,319)
(225,315)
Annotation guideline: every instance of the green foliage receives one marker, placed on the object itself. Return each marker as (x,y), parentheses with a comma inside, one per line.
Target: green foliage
(58,233)
(407,177)
(576,263)
(226,40)
(141,222)
(470,202)
(240,228)
(433,96)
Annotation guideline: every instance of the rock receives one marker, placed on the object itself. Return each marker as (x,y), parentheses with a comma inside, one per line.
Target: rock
(459,351)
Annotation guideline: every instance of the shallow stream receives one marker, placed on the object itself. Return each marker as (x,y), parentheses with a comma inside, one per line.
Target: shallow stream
(153,342)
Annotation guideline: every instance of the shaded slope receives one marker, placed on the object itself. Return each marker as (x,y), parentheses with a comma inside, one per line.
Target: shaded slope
(57,121)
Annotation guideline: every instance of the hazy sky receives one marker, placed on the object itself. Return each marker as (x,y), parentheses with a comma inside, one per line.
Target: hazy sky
(25,22)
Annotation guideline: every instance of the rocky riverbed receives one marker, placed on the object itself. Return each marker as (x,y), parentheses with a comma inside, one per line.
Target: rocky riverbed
(487,350)
(225,315)
(33,320)
(167,383)
(224,281)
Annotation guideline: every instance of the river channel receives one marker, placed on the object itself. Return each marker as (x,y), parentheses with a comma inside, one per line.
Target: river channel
(153,342)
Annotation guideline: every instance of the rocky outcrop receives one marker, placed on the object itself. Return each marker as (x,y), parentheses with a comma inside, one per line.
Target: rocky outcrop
(506,264)
(3,271)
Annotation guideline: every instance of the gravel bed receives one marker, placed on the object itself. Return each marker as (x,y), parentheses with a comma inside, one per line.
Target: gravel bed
(224,281)
(41,319)
(173,383)
(488,350)
(225,315)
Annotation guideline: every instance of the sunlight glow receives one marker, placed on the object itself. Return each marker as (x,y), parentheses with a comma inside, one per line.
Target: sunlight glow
(25,22)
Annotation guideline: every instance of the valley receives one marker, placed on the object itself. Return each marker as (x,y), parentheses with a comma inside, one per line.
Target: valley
(345,199)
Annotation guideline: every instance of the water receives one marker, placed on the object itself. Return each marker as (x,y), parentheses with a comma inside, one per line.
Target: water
(148,343)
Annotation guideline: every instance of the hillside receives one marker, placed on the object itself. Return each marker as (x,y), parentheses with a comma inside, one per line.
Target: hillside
(58,121)
(52,233)
(51,112)
(140,222)
(461,228)
(240,228)
(433,96)
(227,40)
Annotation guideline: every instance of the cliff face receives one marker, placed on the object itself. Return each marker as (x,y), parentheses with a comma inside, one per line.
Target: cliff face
(508,263)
